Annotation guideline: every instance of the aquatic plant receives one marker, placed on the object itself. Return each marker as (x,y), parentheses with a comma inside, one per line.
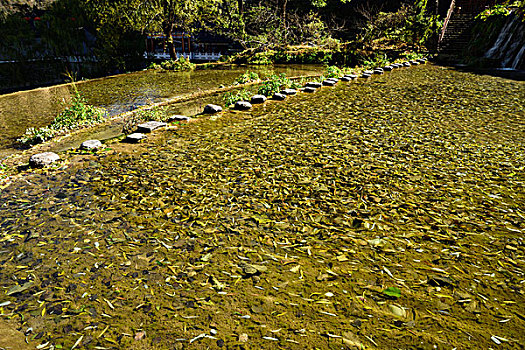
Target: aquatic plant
(247,77)
(78,114)
(180,64)
(230,98)
(142,115)
(275,83)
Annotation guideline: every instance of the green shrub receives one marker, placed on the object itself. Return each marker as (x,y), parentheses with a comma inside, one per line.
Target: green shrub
(78,114)
(333,72)
(230,98)
(180,64)
(276,83)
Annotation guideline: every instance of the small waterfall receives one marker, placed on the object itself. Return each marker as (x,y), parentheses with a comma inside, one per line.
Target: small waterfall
(509,47)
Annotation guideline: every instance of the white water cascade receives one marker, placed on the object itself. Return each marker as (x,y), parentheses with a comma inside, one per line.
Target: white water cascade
(509,47)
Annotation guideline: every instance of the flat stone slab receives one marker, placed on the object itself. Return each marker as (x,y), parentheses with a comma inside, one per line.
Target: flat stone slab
(289,92)
(421,60)
(351,76)
(329,82)
(178,118)
(414,62)
(135,137)
(91,145)
(368,72)
(333,79)
(346,79)
(40,160)
(406,64)
(309,89)
(313,84)
(150,126)
(388,68)
(258,99)
(211,109)
(242,105)
(278,96)
(378,71)
(366,75)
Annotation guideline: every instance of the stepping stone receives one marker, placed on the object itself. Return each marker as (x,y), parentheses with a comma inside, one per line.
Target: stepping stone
(313,84)
(421,60)
(258,99)
(388,68)
(414,62)
(329,82)
(242,105)
(135,137)
(333,79)
(278,96)
(351,76)
(288,92)
(178,118)
(309,89)
(378,71)
(40,160)
(368,72)
(91,145)
(406,64)
(366,75)
(211,109)
(346,79)
(150,126)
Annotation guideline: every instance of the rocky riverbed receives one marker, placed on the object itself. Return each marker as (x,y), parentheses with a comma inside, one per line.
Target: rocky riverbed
(383,213)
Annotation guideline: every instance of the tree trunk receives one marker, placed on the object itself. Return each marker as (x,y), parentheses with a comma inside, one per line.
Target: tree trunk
(168,30)
(241,7)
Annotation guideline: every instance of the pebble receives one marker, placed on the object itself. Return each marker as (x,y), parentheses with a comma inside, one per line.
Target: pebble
(42,159)
(91,145)
(278,96)
(178,118)
(135,137)
(288,92)
(242,105)
(150,126)
(313,84)
(211,109)
(258,99)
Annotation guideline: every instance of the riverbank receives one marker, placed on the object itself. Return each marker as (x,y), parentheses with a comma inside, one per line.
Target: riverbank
(380,213)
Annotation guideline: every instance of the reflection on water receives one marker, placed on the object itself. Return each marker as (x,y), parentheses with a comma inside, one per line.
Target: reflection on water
(37,108)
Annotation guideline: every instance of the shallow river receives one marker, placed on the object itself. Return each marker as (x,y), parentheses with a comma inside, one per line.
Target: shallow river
(383,213)
(37,108)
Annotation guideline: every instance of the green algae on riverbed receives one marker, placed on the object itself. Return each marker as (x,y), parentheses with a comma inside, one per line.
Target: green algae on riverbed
(385,214)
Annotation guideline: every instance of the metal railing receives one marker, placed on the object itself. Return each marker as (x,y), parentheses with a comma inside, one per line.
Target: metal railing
(445,24)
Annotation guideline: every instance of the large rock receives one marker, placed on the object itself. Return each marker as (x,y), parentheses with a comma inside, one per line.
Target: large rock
(42,159)
(278,96)
(242,105)
(288,92)
(211,109)
(150,126)
(91,145)
(313,84)
(135,137)
(178,118)
(258,99)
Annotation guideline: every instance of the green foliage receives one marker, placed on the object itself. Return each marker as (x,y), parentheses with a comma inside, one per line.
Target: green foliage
(181,64)
(230,98)
(497,10)
(247,77)
(392,292)
(78,114)
(376,60)
(333,72)
(275,83)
